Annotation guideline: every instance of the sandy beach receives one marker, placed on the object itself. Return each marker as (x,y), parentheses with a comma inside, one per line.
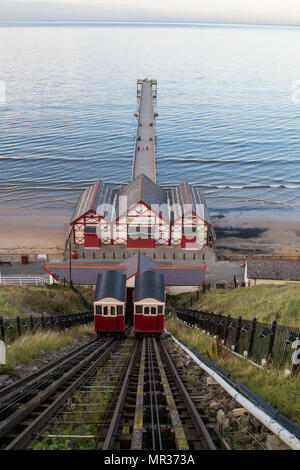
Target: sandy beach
(257,236)
(41,232)
(30,231)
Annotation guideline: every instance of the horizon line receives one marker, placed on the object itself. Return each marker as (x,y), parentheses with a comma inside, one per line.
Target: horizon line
(206,23)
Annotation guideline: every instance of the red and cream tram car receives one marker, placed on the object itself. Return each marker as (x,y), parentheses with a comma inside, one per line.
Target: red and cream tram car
(110,302)
(149,303)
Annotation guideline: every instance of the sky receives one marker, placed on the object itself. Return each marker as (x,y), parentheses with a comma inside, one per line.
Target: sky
(216,11)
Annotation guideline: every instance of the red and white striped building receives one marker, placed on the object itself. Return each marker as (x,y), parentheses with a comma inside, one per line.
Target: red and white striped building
(141,215)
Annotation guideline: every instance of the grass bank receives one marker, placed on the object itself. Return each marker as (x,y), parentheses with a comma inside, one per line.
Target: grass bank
(281,392)
(29,347)
(54,300)
(266,303)
(179,299)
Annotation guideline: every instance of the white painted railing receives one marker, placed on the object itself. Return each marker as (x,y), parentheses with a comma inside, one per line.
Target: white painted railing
(20,280)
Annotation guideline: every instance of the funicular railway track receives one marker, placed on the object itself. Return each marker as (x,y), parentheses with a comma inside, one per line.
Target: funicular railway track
(159,414)
(111,394)
(28,404)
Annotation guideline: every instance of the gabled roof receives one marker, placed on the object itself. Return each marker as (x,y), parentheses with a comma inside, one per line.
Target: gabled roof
(140,189)
(149,284)
(186,195)
(137,263)
(92,198)
(111,284)
(104,200)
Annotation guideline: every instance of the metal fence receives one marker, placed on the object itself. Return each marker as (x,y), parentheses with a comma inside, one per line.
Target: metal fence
(11,329)
(21,280)
(256,340)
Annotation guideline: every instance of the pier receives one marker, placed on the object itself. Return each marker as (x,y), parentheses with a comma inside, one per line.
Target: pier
(140,224)
(144,149)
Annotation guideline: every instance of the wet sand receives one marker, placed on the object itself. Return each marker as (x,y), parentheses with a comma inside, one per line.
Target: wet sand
(256,236)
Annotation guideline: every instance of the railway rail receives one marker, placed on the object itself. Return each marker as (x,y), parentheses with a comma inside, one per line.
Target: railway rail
(165,416)
(28,404)
(112,394)
(129,397)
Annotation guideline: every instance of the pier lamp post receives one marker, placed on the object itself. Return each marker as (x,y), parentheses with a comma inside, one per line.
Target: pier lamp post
(70,265)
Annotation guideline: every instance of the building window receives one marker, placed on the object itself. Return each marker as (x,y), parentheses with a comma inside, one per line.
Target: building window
(139,231)
(189,230)
(138,309)
(90,229)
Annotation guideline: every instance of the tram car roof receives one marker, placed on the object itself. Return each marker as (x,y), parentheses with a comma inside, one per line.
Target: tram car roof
(149,284)
(111,284)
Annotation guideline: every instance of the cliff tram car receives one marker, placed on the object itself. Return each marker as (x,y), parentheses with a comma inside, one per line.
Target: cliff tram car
(114,309)
(149,303)
(110,302)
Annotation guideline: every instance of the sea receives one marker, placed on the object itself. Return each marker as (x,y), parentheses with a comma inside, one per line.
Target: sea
(228,109)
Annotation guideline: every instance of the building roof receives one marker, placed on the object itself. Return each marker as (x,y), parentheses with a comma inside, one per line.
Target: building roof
(149,284)
(87,275)
(185,195)
(273,269)
(111,283)
(181,276)
(99,197)
(104,200)
(81,275)
(140,189)
(137,263)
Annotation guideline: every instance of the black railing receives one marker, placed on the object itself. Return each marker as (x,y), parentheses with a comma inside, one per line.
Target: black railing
(276,344)
(11,329)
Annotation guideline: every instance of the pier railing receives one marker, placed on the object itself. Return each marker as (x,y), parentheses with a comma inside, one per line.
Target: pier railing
(264,343)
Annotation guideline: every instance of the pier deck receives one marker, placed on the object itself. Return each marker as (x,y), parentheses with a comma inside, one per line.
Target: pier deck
(144,152)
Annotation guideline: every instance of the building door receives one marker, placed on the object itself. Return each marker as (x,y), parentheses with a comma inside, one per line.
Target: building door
(188,242)
(91,239)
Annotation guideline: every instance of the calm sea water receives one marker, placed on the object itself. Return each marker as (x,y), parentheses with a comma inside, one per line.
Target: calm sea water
(227,118)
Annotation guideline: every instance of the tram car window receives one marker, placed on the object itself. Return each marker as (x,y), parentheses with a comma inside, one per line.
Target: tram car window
(149,303)
(110,302)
